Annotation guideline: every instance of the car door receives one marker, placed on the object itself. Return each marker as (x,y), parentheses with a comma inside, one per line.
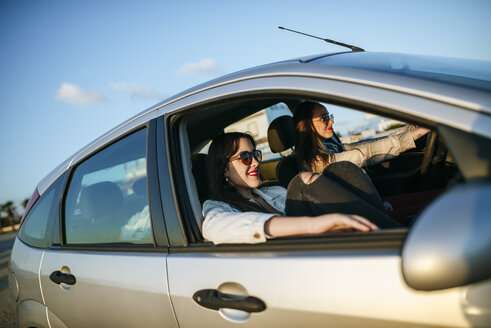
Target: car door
(337,280)
(109,268)
(322,282)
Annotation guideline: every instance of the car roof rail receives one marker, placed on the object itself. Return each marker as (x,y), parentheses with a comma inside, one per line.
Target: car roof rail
(353,48)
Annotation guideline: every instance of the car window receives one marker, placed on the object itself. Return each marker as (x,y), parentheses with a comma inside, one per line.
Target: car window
(107,200)
(406,182)
(35,226)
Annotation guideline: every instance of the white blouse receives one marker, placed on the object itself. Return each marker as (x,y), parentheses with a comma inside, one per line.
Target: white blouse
(226,224)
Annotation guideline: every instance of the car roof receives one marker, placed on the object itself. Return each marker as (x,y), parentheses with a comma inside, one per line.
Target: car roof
(461,82)
(402,70)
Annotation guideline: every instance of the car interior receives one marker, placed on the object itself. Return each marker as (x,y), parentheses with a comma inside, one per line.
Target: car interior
(409,182)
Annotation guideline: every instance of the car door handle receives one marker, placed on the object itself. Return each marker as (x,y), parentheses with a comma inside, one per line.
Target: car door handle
(59,277)
(215,300)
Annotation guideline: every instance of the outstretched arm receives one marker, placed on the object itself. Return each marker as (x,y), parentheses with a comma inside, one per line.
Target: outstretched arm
(304,225)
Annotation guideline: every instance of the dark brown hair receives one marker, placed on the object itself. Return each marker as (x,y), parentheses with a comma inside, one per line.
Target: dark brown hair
(221,149)
(308,146)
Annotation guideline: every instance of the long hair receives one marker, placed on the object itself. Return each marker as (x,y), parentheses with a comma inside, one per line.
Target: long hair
(221,149)
(309,147)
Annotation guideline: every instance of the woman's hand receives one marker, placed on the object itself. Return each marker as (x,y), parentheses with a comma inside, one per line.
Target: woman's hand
(331,222)
(305,225)
(418,132)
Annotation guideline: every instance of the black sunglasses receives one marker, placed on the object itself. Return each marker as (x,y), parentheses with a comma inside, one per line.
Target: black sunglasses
(325,118)
(246,157)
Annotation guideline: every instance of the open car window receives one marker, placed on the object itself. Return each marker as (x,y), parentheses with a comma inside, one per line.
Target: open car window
(399,180)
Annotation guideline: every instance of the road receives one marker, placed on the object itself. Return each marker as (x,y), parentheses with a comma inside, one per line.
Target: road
(7,305)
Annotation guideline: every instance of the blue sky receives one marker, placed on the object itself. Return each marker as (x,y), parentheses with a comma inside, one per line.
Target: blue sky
(71,70)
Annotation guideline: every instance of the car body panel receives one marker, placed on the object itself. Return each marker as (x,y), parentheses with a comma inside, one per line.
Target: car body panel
(25,261)
(32,314)
(116,289)
(54,321)
(313,289)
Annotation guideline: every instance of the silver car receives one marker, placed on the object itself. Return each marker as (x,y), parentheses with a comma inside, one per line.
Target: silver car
(112,236)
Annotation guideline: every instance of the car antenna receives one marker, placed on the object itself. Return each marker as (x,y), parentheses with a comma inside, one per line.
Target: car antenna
(353,48)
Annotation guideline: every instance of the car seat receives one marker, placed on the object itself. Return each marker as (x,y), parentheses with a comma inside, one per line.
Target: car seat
(281,137)
(140,186)
(102,204)
(138,199)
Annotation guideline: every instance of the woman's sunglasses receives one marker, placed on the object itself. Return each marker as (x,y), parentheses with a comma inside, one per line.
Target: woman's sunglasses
(246,157)
(325,118)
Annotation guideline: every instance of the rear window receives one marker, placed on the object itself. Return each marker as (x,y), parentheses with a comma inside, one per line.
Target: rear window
(34,230)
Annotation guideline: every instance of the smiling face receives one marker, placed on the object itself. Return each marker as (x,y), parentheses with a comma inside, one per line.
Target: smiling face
(241,176)
(322,128)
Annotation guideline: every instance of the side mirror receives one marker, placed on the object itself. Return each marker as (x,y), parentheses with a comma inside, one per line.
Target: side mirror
(450,243)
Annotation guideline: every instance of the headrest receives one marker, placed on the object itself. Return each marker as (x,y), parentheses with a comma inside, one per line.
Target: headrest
(281,134)
(140,186)
(101,199)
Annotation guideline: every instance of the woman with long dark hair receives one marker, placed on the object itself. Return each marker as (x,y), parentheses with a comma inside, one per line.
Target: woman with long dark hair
(316,145)
(241,212)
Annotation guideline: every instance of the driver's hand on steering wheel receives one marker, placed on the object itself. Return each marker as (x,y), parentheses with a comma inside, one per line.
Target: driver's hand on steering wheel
(418,132)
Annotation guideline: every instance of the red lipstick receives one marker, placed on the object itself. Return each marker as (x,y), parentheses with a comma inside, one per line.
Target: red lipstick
(253,173)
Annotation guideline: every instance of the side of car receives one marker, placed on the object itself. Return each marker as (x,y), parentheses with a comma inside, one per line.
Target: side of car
(114,238)
(343,280)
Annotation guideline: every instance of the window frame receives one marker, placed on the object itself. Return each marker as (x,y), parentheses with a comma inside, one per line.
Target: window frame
(159,234)
(187,237)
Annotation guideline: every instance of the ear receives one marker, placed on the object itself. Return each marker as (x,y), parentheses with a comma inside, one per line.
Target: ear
(225,173)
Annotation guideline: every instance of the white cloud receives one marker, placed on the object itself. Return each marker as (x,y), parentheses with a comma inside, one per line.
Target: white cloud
(74,95)
(135,91)
(206,65)
(369,116)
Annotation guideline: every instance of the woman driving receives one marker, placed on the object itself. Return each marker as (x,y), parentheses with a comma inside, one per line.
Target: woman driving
(316,145)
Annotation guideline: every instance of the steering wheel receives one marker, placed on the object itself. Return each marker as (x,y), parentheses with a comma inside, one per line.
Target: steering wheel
(431,140)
